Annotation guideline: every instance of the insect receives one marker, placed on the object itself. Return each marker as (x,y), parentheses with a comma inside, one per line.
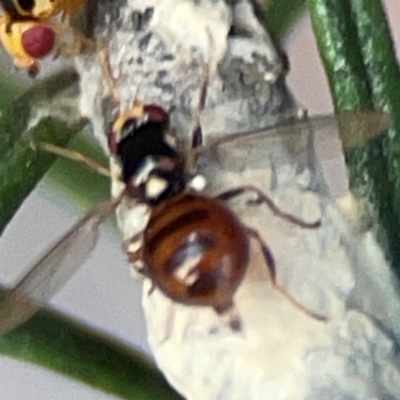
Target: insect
(29,32)
(194,248)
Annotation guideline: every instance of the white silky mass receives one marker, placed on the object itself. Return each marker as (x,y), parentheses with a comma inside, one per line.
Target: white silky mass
(336,270)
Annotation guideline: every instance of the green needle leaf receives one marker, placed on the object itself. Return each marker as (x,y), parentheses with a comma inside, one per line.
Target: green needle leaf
(76,180)
(54,342)
(357,50)
(280,15)
(48,339)
(21,166)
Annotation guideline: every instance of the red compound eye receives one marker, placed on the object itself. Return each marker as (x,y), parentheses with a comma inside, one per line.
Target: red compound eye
(156,114)
(112,142)
(38,41)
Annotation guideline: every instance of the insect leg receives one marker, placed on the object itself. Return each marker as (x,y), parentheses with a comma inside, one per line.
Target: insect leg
(72,155)
(264,198)
(231,318)
(133,247)
(135,251)
(197,132)
(105,66)
(269,260)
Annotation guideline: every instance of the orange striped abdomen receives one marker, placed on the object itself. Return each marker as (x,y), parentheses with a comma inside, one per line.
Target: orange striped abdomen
(196,250)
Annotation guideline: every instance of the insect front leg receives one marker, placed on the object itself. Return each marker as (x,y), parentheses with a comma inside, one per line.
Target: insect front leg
(264,198)
(136,111)
(72,155)
(107,74)
(270,262)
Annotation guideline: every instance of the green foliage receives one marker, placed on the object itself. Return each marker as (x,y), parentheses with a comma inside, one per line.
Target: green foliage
(357,50)
(355,45)
(280,15)
(21,166)
(55,342)
(77,181)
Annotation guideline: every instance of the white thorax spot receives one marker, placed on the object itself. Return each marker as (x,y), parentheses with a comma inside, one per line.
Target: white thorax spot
(142,176)
(197,183)
(155,186)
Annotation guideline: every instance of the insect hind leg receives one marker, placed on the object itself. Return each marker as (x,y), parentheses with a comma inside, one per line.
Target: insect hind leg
(264,198)
(269,260)
(231,318)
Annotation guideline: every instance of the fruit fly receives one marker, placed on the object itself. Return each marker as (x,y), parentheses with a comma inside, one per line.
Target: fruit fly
(193,248)
(29,32)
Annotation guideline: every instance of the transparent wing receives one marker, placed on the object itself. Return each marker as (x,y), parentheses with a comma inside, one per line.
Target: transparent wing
(314,144)
(48,275)
(355,127)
